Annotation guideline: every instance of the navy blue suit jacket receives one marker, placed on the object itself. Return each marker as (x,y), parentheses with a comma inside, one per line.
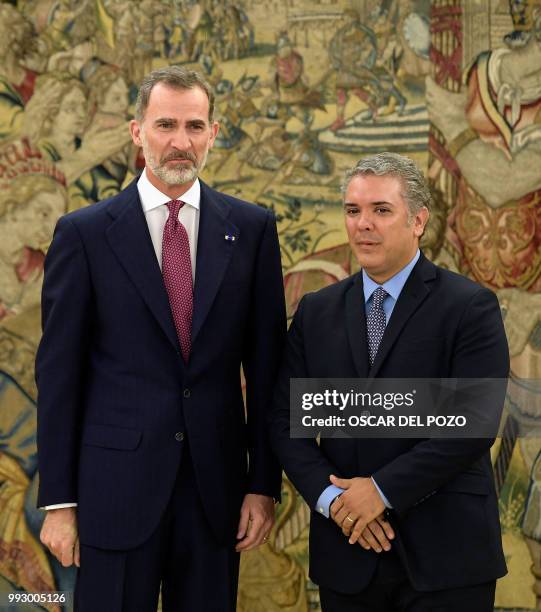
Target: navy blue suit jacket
(442,491)
(114,394)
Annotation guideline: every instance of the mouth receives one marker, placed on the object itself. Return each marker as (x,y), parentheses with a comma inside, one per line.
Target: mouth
(367,243)
(184,162)
(185,159)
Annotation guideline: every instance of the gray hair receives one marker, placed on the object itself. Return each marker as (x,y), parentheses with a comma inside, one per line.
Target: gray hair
(416,192)
(175,77)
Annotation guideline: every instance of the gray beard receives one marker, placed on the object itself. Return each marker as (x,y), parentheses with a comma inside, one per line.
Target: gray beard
(173,176)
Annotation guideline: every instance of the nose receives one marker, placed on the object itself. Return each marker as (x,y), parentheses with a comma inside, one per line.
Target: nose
(365,221)
(181,140)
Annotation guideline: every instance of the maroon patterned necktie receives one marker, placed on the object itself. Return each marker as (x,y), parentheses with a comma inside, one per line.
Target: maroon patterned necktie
(177,275)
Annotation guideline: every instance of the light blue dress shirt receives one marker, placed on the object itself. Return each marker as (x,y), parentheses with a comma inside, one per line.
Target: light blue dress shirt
(393,287)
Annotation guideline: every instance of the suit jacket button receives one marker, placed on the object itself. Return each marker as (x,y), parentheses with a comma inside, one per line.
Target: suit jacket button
(179,436)
(186,393)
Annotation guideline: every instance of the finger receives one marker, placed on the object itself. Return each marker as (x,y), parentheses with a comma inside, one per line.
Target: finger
(244,544)
(45,533)
(66,556)
(375,528)
(77,554)
(266,528)
(243,523)
(44,538)
(347,523)
(340,516)
(335,506)
(342,483)
(347,526)
(362,541)
(254,531)
(260,538)
(372,539)
(360,526)
(386,526)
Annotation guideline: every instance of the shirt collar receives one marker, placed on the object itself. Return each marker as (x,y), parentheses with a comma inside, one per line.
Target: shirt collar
(394,285)
(151,197)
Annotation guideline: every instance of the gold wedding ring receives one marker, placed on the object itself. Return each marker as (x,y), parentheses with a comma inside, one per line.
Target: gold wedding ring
(349,519)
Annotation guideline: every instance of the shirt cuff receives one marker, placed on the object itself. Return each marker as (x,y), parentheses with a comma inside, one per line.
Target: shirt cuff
(57,506)
(323,504)
(382,495)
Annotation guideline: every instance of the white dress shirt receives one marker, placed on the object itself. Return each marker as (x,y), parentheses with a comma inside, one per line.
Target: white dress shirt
(154,204)
(156,213)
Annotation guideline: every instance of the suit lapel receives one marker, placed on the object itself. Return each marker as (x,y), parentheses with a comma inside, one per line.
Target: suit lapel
(130,240)
(356,325)
(217,239)
(412,296)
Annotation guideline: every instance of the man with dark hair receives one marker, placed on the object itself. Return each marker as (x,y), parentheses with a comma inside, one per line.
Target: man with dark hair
(429,506)
(150,472)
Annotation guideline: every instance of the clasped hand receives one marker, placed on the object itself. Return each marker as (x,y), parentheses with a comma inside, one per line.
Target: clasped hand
(358,511)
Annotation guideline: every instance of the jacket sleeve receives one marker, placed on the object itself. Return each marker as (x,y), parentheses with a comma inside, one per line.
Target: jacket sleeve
(263,348)
(60,364)
(302,459)
(480,351)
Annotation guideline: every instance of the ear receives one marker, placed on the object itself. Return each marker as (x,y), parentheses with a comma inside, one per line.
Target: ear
(214,128)
(420,220)
(135,131)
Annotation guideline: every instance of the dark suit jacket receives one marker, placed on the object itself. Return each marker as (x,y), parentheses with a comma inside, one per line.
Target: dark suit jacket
(114,394)
(445,508)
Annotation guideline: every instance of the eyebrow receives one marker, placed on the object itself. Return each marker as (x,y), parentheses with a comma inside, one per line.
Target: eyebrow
(376,203)
(174,121)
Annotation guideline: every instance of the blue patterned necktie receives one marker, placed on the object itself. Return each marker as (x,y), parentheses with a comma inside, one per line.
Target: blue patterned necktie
(375,323)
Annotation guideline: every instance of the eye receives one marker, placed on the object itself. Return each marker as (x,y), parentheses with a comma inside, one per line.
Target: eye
(381,210)
(351,211)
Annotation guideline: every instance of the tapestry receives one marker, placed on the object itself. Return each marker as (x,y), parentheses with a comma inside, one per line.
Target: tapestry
(304,89)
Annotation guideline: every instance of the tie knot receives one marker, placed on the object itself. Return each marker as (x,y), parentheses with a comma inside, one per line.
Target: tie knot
(379,296)
(174,206)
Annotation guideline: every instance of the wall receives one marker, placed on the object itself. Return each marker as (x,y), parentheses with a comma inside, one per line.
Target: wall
(304,89)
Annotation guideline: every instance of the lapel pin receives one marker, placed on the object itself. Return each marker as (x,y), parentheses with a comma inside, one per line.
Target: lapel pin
(230,238)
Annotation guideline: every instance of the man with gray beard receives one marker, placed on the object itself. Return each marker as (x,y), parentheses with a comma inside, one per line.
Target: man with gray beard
(153,472)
